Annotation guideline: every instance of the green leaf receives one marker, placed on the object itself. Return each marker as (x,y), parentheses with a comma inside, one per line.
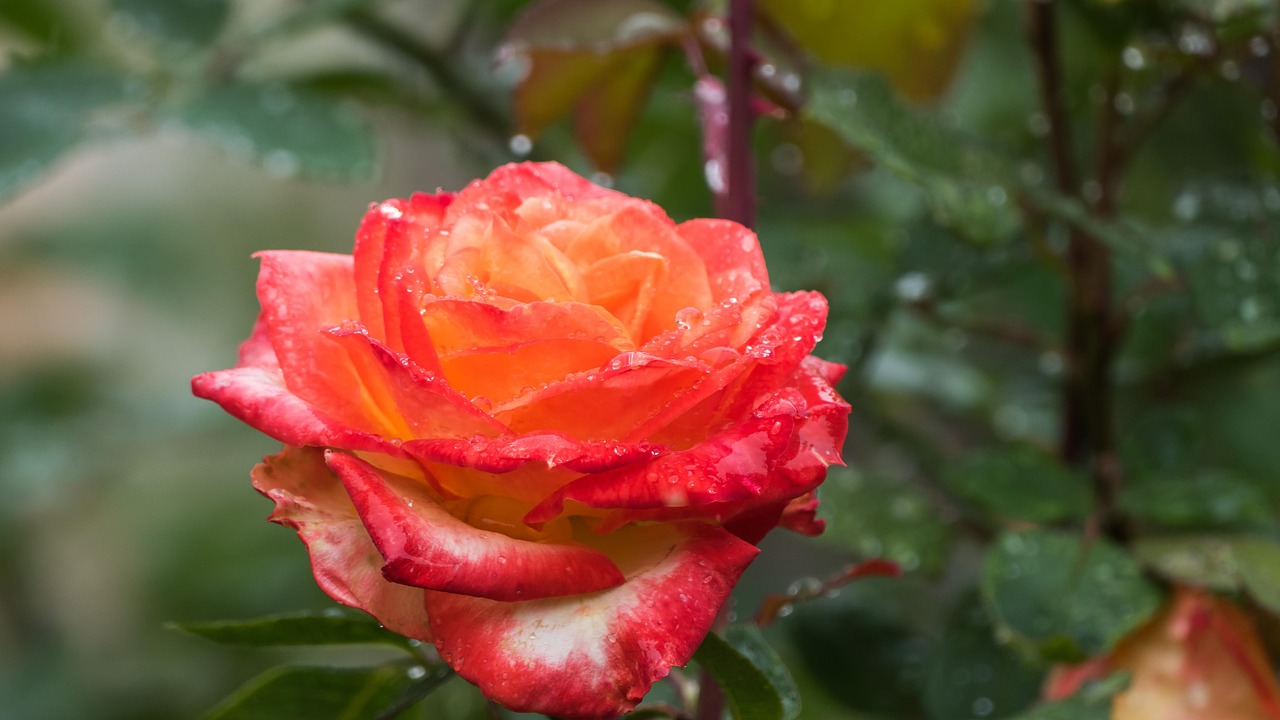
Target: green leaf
(1208,500)
(750,642)
(325,693)
(878,517)
(47,21)
(747,689)
(867,647)
(44,110)
(188,22)
(968,186)
(290,130)
(1091,702)
(1221,562)
(969,673)
(916,43)
(1021,483)
(596,59)
(329,627)
(1068,598)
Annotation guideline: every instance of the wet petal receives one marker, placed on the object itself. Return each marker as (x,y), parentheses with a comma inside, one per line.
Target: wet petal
(426,547)
(595,656)
(731,253)
(255,392)
(310,499)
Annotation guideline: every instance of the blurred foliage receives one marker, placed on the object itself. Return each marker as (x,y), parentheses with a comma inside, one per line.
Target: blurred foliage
(908,169)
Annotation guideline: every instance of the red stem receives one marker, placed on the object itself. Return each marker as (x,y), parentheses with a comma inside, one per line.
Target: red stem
(740,203)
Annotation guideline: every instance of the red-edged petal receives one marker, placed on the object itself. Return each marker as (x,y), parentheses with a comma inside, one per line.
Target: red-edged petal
(302,294)
(511,185)
(427,547)
(595,656)
(731,252)
(731,467)
(420,403)
(347,566)
(550,450)
(255,393)
(801,516)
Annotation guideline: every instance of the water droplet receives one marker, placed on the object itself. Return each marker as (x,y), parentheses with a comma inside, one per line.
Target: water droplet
(1193,40)
(1186,206)
(1038,124)
(1133,58)
(787,159)
(713,171)
(912,286)
(983,706)
(282,164)
(996,195)
(417,672)
(1259,46)
(1230,70)
(520,145)
(1123,103)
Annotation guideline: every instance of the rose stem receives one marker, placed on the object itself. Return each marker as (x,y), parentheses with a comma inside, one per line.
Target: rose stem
(741,204)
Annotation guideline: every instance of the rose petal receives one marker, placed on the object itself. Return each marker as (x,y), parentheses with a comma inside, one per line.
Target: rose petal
(255,393)
(425,546)
(496,353)
(513,184)
(731,253)
(421,404)
(595,656)
(801,516)
(550,450)
(302,294)
(485,256)
(635,229)
(606,403)
(347,566)
(731,467)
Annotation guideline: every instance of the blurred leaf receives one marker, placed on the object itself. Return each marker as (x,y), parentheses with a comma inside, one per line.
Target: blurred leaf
(751,644)
(1021,483)
(748,689)
(325,693)
(1231,274)
(917,44)
(1070,599)
(328,627)
(967,185)
(290,130)
(190,22)
(1220,562)
(970,674)
(878,517)
(1091,702)
(43,113)
(596,59)
(865,648)
(1209,499)
(47,21)
(824,158)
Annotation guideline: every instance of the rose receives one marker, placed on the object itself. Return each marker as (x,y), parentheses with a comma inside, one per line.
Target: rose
(538,424)
(1199,659)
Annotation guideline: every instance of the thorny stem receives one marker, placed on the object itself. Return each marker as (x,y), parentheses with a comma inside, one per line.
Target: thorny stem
(740,203)
(1087,440)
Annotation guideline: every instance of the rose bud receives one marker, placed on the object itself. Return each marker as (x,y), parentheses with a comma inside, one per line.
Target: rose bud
(538,424)
(1199,659)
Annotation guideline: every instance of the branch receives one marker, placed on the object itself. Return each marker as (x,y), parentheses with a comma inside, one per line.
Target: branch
(441,68)
(740,205)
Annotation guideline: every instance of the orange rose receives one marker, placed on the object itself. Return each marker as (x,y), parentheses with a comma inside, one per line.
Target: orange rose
(1199,659)
(538,424)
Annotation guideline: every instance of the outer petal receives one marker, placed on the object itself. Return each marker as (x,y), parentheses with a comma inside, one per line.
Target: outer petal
(731,252)
(303,294)
(427,547)
(595,656)
(310,499)
(255,393)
